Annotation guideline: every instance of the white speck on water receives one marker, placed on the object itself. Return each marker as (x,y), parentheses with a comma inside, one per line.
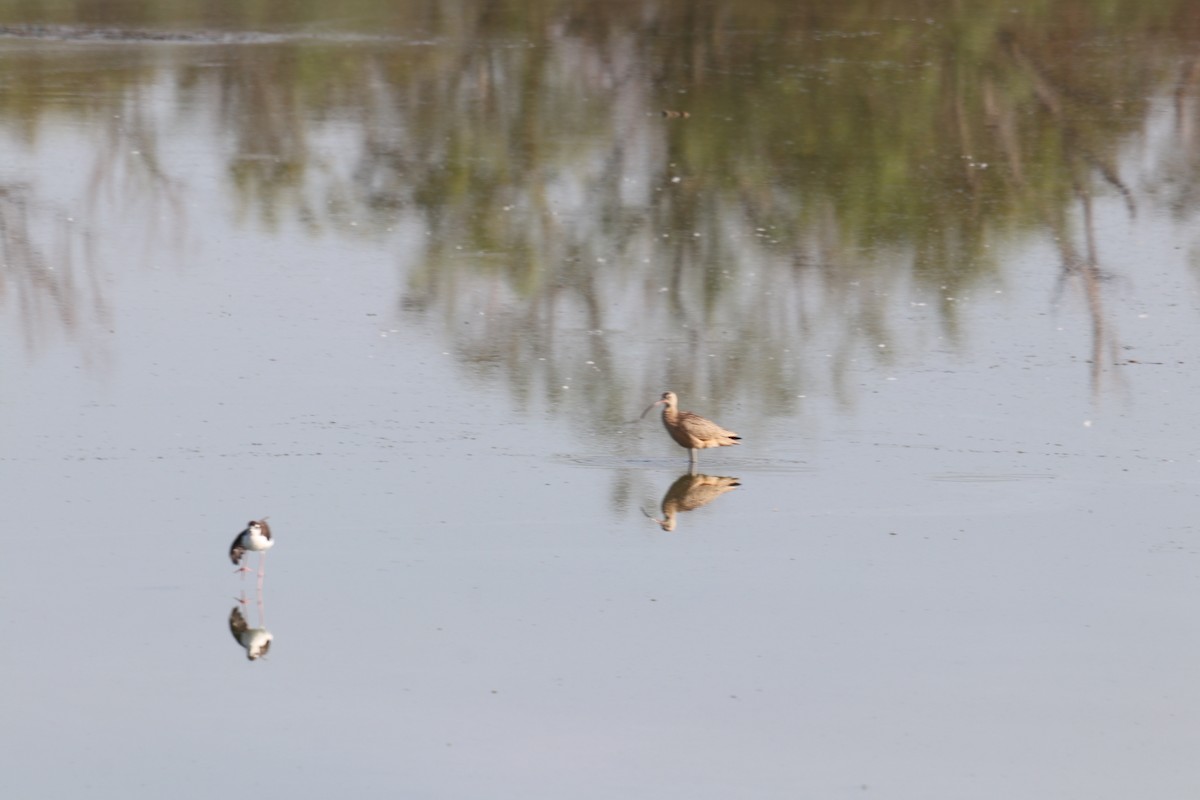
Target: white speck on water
(1087,423)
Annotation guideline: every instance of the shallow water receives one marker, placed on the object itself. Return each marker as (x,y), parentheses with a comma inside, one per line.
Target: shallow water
(403,281)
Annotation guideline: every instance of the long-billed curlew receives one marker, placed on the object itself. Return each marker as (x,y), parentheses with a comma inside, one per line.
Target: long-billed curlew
(690,430)
(257,537)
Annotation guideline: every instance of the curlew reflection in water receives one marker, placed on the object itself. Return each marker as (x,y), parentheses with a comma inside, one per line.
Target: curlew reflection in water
(690,491)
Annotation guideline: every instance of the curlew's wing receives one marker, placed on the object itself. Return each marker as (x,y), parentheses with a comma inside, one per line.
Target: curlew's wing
(702,428)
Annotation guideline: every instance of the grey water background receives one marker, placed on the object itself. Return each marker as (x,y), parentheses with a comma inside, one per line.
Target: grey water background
(403,276)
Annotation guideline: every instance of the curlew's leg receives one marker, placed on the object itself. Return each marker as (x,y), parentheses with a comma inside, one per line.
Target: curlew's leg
(692,457)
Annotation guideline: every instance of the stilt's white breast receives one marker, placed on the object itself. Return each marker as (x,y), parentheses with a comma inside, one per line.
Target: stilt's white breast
(257,537)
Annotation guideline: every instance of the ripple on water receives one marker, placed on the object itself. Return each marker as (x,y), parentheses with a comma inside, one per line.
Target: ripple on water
(724,466)
(992,477)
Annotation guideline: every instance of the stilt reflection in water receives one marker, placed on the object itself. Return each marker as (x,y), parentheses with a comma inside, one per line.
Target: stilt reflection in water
(255,641)
(689,492)
(691,430)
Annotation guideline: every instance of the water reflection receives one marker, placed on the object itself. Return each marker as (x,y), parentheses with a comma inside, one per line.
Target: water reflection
(690,491)
(1082,271)
(837,166)
(48,275)
(255,641)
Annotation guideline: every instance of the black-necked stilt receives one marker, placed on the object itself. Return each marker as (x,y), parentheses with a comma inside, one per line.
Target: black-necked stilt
(257,536)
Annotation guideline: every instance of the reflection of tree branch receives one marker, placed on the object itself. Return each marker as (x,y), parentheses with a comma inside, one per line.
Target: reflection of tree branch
(128,172)
(48,288)
(1189,76)
(1053,100)
(1105,347)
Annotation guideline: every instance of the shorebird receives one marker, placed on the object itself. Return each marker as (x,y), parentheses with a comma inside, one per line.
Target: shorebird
(257,536)
(690,430)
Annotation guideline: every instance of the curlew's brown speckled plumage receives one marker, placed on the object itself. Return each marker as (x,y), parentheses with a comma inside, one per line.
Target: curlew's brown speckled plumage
(691,430)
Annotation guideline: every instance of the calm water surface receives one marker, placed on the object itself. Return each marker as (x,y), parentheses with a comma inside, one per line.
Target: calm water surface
(403,279)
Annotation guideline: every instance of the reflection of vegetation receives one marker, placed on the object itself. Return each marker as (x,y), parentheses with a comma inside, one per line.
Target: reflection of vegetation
(49,267)
(838,161)
(44,274)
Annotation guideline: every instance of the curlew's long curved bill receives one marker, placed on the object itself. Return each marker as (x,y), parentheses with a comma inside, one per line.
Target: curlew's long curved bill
(652,405)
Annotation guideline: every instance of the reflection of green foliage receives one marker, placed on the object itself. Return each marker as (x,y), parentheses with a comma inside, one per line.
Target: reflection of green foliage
(835,154)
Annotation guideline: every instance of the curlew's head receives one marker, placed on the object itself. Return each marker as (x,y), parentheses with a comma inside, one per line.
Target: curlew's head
(668,399)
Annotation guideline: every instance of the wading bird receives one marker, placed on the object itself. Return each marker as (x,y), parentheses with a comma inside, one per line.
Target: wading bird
(690,430)
(257,537)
